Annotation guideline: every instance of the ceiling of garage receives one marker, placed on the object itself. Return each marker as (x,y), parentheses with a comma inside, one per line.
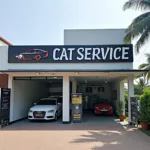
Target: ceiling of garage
(95,79)
(79,79)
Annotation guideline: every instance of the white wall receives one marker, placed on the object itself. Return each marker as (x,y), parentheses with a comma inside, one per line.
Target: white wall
(119,86)
(103,95)
(55,89)
(25,94)
(94,36)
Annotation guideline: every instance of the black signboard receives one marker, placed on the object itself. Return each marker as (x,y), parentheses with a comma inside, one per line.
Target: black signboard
(70,54)
(77,107)
(4,106)
(134,111)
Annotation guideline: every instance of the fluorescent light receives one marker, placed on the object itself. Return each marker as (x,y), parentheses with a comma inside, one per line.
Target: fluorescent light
(77,73)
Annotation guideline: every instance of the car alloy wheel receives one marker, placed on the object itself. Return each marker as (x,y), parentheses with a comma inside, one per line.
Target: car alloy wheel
(38,57)
(56,116)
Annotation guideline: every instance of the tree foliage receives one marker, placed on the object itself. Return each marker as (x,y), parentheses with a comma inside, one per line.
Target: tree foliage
(146,66)
(145,107)
(140,26)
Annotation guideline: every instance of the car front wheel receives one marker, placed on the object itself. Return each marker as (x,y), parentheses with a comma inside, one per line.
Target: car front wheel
(37,57)
(56,116)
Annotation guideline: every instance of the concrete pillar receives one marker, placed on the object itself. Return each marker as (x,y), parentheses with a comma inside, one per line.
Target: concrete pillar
(130,94)
(11,86)
(122,98)
(66,99)
(74,87)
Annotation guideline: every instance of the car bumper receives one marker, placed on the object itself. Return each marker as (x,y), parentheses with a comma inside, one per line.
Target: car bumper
(103,112)
(47,116)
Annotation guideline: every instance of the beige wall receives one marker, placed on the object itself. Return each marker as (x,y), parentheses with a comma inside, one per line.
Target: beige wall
(2,43)
(3,81)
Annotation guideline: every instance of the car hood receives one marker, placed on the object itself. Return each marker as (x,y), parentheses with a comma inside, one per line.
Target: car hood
(43,107)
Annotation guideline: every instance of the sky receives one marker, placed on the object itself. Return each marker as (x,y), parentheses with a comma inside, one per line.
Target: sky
(42,22)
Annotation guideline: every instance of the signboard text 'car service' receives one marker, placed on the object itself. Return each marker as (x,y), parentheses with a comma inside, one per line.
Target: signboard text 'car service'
(72,54)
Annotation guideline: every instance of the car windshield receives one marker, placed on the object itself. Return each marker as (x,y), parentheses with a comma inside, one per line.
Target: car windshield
(47,102)
(102,101)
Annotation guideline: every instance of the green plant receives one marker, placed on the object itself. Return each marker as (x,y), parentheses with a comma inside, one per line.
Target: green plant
(145,107)
(146,66)
(140,26)
(120,108)
(137,96)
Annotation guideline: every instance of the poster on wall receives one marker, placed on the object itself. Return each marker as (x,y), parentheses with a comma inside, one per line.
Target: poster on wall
(77,107)
(4,106)
(101,89)
(134,111)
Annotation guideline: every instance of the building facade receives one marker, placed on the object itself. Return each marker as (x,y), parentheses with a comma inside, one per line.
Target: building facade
(88,58)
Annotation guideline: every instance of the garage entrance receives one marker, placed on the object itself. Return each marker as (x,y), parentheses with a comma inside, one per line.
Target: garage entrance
(101,95)
(31,96)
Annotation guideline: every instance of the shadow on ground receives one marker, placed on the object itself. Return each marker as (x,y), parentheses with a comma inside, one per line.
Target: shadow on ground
(101,139)
(112,138)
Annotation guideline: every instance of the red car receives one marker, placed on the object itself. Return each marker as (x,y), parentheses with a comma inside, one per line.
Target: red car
(33,54)
(103,109)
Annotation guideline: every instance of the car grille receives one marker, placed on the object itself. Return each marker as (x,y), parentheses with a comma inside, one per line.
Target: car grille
(39,114)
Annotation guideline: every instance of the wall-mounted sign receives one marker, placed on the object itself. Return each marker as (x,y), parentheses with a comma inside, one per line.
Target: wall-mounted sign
(72,54)
(76,107)
(4,106)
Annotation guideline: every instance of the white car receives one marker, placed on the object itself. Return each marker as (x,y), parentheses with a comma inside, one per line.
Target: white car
(46,109)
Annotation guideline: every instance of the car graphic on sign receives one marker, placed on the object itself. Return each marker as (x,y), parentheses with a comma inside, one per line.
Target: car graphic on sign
(33,54)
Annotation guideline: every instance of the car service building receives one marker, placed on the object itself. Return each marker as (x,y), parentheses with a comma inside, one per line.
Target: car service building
(95,63)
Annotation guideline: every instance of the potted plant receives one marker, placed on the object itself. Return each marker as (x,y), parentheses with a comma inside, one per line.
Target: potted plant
(121,111)
(145,110)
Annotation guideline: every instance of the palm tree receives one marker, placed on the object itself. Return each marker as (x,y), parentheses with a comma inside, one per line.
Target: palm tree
(146,66)
(142,83)
(140,26)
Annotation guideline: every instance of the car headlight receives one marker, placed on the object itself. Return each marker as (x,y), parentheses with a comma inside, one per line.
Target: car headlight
(30,111)
(50,111)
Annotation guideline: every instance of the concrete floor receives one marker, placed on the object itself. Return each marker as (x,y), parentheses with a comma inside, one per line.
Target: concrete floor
(101,133)
(90,118)
(72,137)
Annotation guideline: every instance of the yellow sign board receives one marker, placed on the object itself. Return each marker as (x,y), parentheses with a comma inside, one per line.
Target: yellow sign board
(77,100)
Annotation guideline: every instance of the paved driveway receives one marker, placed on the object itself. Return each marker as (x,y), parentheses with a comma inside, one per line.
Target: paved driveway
(72,137)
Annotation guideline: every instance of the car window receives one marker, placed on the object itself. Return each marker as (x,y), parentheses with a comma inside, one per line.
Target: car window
(47,102)
(30,51)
